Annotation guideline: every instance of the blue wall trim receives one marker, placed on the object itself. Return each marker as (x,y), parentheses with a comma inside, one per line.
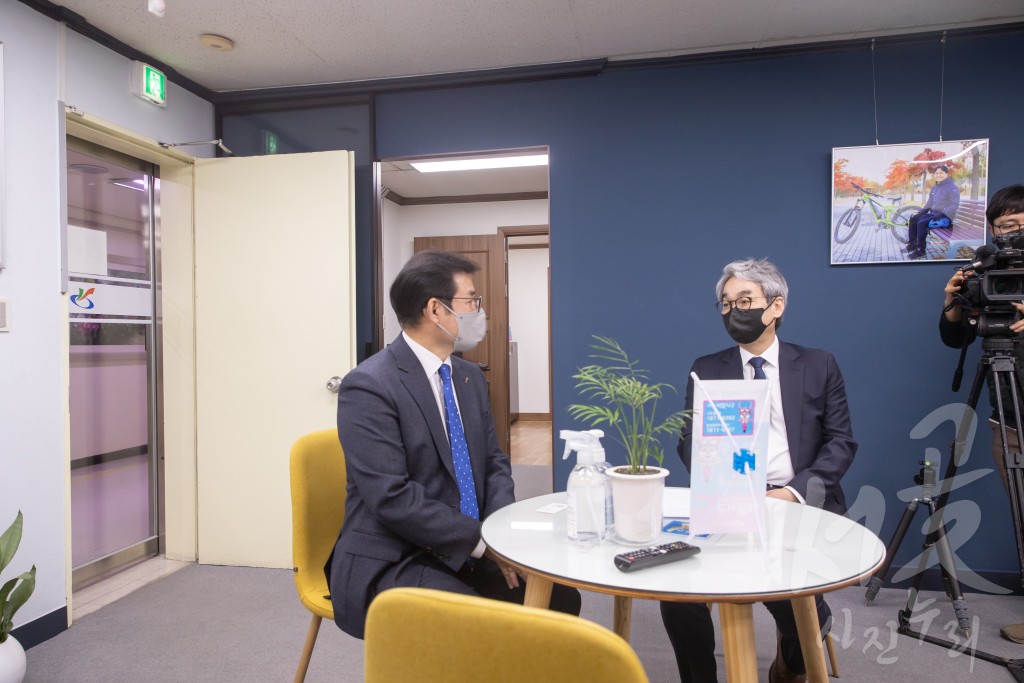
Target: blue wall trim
(42,629)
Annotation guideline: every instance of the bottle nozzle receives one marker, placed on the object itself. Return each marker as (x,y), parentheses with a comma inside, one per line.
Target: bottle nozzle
(589,441)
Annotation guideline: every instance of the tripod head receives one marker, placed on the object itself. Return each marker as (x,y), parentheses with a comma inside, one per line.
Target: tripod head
(925,478)
(994,347)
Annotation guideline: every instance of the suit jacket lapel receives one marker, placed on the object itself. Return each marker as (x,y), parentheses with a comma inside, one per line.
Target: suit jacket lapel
(732,367)
(416,383)
(791,382)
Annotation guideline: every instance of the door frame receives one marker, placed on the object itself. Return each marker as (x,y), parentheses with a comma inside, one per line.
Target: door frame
(176,301)
(531,231)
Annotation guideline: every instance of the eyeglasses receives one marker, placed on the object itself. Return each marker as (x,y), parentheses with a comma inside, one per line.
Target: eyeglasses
(743,304)
(477,300)
(1011,226)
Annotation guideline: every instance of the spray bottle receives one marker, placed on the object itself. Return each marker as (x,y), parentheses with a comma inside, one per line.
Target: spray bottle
(588,489)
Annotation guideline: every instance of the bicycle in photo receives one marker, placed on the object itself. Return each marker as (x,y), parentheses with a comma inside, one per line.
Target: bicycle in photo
(889,216)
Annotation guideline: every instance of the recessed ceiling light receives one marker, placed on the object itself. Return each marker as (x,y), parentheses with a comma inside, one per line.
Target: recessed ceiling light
(215,42)
(480,163)
(88,169)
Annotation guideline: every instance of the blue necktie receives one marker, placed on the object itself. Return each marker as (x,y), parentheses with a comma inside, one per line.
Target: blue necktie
(460,451)
(758,364)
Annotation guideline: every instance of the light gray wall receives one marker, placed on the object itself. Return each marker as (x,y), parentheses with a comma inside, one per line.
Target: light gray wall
(33,417)
(99,83)
(528,325)
(32,424)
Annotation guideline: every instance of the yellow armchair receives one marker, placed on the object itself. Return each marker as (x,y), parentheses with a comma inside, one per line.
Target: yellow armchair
(429,636)
(318,509)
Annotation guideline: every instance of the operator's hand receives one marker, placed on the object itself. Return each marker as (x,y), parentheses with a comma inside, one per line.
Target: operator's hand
(782,494)
(952,287)
(507,570)
(1018,326)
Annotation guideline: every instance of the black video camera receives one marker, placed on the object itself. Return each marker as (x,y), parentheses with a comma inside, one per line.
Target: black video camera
(997,281)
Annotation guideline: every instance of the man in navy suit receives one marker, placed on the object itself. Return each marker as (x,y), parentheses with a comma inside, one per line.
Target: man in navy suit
(423,462)
(810,446)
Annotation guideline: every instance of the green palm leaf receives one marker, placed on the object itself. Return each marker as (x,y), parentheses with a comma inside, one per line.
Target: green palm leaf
(624,400)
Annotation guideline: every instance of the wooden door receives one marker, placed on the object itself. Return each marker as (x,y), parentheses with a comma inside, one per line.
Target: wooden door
(488,252)
(274,285)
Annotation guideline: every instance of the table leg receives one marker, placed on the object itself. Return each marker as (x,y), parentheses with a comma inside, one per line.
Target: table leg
(623,616)
(810,638)
(738,642)
(538,592)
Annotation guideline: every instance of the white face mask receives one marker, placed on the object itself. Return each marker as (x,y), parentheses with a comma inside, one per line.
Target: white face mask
(472,329)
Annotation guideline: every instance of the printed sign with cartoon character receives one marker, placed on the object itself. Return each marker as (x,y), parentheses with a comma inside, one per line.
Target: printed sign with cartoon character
(729,455)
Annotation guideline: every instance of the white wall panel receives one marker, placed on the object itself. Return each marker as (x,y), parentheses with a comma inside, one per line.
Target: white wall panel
(528,325)
(33,465)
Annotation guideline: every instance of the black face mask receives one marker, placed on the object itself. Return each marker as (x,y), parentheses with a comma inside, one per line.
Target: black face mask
(744,326)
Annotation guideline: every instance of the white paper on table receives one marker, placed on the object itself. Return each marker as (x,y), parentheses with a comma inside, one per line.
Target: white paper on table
(676,502)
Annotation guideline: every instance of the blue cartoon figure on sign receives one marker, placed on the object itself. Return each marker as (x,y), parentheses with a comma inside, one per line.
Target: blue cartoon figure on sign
(741,460)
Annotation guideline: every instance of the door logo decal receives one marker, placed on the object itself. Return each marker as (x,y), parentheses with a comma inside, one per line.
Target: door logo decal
(82,298)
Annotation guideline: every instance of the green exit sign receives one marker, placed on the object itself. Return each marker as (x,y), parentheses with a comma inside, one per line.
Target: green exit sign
(270,143)
(149,83)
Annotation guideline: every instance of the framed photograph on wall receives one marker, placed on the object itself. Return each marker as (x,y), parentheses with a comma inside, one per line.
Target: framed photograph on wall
(908,203)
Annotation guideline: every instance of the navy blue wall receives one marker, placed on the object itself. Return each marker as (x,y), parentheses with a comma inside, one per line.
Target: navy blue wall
(659,177)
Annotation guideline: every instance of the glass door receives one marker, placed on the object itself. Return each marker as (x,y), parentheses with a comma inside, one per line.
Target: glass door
(115,510)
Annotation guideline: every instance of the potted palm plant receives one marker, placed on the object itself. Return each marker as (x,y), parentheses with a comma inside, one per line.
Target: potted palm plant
(13,594)
(626,401)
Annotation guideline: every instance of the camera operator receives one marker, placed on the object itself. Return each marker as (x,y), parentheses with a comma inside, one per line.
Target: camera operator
(1005,216)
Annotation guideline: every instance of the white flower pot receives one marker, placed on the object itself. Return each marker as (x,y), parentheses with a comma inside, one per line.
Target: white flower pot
(12,661)
(637,499)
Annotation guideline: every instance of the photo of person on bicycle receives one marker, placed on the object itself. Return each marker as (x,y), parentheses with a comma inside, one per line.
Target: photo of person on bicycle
(938,212)
(908,203)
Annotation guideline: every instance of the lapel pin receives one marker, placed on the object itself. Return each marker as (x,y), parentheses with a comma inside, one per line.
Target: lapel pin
(465,380)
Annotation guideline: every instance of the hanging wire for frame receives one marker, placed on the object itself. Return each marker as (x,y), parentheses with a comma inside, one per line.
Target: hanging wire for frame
(942,85)
(874,88)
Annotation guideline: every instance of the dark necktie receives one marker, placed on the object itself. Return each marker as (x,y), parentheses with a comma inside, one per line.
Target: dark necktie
(758,364)
(460,451)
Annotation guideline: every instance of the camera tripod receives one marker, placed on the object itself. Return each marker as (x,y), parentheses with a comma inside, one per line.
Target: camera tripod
(998,362)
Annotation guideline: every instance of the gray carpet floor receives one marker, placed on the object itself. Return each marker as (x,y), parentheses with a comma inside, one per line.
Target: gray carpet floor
(231,624)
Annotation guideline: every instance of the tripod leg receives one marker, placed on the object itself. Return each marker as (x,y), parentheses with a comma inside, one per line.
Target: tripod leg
(907,612)
(949,578)
(890,552)
(1014,462)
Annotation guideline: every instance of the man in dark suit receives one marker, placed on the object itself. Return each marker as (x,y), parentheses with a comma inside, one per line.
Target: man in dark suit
(810,446)
(423,462)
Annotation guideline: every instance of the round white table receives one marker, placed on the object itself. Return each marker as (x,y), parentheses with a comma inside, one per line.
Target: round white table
(809,551)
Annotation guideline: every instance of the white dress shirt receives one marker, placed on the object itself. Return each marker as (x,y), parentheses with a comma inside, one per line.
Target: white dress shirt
(780,463)
(431,364)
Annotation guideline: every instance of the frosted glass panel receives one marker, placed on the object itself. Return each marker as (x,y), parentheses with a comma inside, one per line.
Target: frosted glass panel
(110,318)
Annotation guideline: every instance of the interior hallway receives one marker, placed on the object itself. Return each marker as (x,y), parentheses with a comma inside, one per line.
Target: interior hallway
(531,442)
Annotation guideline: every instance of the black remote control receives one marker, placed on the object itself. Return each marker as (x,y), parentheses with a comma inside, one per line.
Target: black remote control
(655,555)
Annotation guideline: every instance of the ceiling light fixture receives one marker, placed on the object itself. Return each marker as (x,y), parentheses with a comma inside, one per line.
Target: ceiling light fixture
(157,7)
(215,42)
(88,169)
(480,163)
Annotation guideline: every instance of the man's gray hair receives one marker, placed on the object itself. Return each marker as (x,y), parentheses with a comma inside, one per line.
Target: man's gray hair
(761,271)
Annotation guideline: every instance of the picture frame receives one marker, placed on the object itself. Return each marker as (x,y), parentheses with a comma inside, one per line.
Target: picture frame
(908,203)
